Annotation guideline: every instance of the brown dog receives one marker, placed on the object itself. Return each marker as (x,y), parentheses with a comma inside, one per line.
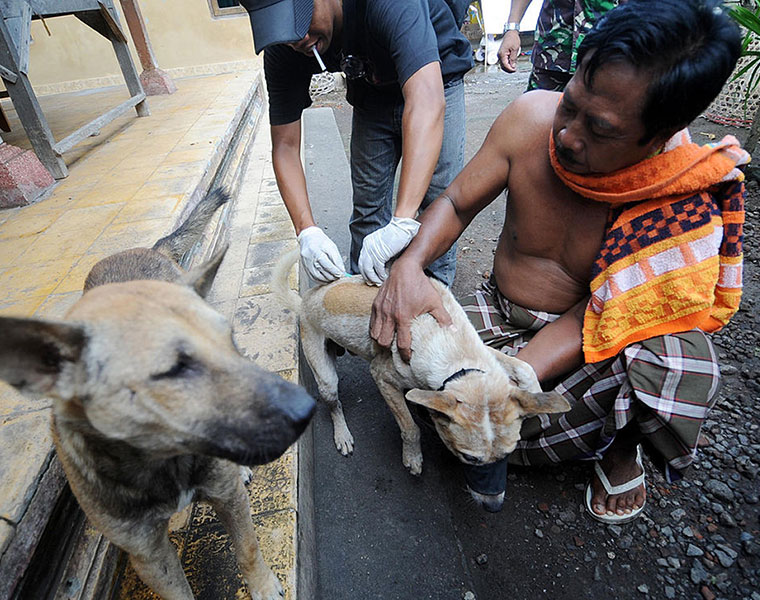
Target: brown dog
(153,404)
(477,396)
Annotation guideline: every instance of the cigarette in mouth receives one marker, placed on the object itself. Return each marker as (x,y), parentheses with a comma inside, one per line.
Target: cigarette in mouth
(319,58)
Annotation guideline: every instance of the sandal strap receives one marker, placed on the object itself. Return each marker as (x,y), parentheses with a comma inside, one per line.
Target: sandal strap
(623,487)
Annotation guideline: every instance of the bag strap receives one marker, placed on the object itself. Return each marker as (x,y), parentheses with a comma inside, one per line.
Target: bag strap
(354,12)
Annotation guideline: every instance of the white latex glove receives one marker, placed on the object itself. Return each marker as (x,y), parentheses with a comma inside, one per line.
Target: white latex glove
(382,245)
(320,256)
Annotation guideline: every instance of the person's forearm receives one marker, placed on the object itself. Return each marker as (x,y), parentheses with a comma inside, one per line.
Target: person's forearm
(441,226)
(291,181)
(557,348)
(422,135)
(421,138)
(517,11)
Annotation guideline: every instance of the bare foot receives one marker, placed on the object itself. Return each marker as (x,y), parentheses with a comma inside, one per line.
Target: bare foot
(619,464)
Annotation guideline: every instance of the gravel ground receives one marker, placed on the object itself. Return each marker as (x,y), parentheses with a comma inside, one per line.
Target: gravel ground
(699,538)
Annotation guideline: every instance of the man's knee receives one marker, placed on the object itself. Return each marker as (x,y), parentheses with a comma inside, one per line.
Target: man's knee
(675,367)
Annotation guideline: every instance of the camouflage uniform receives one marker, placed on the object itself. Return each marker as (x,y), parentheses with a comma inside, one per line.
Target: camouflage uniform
(561,27)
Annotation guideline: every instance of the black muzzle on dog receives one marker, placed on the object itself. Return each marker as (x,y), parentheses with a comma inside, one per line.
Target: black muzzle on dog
(489,482)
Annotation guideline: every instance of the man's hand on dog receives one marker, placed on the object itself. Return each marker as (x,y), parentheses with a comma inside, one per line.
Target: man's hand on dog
(406,294)
(320,256)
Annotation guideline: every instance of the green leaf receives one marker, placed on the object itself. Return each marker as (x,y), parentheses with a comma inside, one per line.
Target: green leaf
(750,20)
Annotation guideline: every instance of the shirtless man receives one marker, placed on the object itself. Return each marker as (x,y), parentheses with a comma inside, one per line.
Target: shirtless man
(613,115)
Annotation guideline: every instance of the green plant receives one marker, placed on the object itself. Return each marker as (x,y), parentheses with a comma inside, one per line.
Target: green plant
(750,20)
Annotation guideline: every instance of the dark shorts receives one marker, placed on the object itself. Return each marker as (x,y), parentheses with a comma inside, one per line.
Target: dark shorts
(667,385)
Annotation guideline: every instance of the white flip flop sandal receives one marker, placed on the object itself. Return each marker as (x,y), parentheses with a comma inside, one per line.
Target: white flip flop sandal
(617,489)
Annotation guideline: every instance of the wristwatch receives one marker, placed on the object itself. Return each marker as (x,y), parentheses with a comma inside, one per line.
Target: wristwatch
(511,27)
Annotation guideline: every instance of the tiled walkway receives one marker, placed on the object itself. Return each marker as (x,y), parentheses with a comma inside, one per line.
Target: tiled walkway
(127,187)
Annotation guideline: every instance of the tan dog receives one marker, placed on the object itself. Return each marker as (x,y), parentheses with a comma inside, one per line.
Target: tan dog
(477,396)
(152,400)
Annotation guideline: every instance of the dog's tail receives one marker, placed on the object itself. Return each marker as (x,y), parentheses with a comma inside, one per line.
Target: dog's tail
(182,239)
(282,291)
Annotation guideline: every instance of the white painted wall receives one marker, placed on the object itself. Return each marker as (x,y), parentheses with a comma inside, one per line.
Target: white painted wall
(495,13)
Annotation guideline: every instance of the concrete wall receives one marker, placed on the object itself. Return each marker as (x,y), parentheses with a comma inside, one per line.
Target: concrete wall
(186,39)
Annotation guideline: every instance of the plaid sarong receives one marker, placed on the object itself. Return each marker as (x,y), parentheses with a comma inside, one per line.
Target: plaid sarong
(667,385)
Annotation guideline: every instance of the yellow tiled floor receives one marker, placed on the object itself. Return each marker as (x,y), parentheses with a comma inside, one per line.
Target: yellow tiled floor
(126,185)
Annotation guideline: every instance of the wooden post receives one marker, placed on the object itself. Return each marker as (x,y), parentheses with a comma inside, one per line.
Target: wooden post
(154,80)
(28,109)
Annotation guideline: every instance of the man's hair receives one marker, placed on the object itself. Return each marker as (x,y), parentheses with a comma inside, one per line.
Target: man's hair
(689,46)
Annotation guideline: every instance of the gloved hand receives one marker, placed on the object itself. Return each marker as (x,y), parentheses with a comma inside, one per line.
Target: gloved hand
(320,256)
(382,245)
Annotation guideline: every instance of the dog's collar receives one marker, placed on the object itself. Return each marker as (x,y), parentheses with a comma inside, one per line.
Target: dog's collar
(457,375)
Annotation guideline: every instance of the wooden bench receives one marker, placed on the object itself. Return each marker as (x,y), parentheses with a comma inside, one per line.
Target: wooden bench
(15,27)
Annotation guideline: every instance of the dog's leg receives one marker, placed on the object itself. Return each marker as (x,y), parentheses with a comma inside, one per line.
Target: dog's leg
(322,364)
(230,501)
(246,475)
(156,562)
(411,451)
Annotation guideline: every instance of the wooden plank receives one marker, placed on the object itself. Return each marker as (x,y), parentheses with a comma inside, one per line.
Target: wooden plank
(10,8)
(8,75)
(112,23)
(29,111)
(129,71)
(96,124)
(18,23)
(51,8)
(24,38)
(94,20)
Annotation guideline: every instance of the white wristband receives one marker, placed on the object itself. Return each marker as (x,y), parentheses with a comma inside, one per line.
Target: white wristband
(511,27)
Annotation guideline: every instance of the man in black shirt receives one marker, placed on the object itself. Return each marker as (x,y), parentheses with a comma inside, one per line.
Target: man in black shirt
(404,62)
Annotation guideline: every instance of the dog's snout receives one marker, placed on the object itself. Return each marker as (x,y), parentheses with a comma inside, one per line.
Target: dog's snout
(473,460)
(298,406)
(487,479)
(288,404)
(493,503)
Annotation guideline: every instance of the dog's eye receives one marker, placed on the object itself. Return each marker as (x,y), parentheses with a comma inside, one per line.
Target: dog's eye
(471,459)
(182,366)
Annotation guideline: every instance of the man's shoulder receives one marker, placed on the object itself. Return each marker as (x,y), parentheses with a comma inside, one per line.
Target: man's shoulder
(537,103)
(381,14)
(529,115)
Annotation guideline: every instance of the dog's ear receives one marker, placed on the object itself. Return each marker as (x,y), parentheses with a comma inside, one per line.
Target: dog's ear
(201,277)
(520,372)
(443,402)
(34,353)
(536,403)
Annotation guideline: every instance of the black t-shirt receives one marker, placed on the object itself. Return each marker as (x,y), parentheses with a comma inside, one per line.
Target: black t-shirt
(394,39)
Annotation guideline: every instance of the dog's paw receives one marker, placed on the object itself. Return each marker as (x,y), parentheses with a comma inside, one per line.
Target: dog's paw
(246,474)
(268,589)
(344,442)
(412,460)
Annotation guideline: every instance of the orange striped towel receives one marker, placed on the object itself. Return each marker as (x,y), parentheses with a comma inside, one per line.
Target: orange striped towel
(671,259)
